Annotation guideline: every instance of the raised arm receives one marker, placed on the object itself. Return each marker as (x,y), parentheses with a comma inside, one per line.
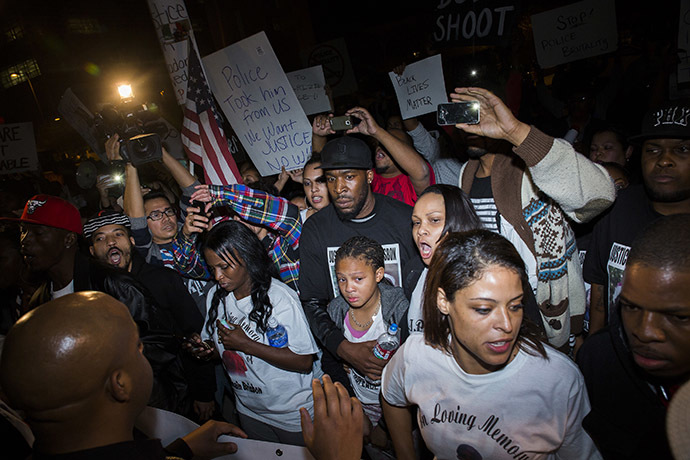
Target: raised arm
(404,155)
(320,129)
(581,188)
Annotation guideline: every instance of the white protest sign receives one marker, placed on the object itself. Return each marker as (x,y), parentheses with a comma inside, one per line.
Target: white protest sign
(309,86)
(261,106)
(581,30)
(168,426)
(420,88)
(173,28)
(684,42)
(17,148)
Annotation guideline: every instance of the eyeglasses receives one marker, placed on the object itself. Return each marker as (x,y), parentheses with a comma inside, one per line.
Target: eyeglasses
(158,215)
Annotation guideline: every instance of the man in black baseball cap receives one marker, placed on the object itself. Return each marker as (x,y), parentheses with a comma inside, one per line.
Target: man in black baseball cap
(354,211)
(665,161)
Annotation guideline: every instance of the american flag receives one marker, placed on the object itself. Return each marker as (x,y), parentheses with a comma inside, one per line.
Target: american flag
(202,135)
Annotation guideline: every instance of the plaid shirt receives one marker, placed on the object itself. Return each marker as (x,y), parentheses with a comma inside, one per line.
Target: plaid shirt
(259,208)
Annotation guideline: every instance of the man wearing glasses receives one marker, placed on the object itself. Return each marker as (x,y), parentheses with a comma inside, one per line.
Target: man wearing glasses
(154,218)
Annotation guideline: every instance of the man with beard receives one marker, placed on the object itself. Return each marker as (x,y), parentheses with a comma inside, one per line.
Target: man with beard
(634,367)
(354,211)
(400,171)
(50,229)
(111,243)
(526,197)
(665,138)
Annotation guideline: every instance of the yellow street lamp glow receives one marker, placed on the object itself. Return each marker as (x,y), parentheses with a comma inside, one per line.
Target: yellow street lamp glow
(14,75)
(125,91)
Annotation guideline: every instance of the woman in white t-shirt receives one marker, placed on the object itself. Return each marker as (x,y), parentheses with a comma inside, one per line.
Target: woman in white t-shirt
(271,379)
(483,382)
(439,209)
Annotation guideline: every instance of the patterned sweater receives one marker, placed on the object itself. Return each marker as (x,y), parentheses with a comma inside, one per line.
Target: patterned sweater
(536,192)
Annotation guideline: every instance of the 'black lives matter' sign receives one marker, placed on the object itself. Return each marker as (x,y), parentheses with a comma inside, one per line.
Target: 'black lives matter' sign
(474,22)
(17,148)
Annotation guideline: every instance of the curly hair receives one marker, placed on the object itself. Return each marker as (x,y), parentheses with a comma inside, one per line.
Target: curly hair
(233,242)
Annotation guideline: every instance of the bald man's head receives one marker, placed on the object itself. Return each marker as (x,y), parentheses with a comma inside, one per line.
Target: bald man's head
(77,356)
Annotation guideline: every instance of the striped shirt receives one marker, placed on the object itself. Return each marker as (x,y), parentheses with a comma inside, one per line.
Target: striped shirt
(482,199)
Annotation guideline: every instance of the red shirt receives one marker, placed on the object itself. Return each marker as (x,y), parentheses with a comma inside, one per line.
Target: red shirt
(399,187)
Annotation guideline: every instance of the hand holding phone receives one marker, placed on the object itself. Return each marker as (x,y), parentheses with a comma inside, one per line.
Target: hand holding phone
(341,123)
(466,112)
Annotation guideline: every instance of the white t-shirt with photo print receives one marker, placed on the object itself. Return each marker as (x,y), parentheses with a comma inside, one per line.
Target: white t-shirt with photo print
(531,409)
(263,391)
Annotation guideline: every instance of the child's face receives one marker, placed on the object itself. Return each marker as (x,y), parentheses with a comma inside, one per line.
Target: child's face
(357,281)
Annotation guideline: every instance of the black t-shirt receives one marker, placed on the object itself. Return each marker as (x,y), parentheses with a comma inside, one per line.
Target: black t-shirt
(482,198)
(607,252)
(322,235)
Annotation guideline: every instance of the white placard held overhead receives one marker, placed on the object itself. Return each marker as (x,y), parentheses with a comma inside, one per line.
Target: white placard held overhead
(581,30)
(171,21)
(261,106)
(420,88)
(17,148)
(309,86)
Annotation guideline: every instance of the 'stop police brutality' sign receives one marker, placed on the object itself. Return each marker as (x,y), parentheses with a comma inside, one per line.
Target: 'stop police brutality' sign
(260,104)
(581,30)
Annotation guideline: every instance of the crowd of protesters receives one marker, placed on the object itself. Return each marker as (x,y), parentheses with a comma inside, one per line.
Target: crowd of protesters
(536,265)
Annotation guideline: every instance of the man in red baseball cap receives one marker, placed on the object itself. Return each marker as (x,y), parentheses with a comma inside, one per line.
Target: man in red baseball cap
(50,229)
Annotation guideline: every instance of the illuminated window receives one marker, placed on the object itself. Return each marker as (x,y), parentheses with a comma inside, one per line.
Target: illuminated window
(14,33)
(18,73)
(84,26)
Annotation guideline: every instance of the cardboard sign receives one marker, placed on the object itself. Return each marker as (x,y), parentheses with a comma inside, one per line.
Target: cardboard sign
(80,118)
(173,28)
(337,68)
(420,88)
(168,426)
(576,31)
(17,148)
(309,86)
(477,22)
(259,103)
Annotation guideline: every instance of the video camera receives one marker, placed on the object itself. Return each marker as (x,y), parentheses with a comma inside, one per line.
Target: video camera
(139,131)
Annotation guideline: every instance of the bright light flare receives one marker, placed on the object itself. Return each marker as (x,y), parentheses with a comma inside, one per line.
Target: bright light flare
(125,91)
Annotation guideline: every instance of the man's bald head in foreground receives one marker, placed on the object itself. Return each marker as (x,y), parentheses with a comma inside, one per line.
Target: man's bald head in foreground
(75,366)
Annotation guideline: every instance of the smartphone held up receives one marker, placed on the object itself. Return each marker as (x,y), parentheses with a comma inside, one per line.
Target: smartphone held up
(458,112)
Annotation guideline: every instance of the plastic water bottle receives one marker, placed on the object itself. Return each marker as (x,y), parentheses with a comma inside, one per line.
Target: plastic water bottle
(276,334)
(387,343)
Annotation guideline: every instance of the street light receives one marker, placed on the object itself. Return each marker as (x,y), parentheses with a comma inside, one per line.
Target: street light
(125,91)
(33,92)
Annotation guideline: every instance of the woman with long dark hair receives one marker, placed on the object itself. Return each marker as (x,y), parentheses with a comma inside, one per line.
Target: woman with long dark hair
(271,373)
(478,375)
(440,209)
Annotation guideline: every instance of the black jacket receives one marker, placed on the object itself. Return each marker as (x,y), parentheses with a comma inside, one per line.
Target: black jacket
(627,420)
(156,326)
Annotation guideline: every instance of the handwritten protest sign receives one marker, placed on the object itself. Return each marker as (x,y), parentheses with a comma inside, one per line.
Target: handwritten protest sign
(309,86)
(17,148)
(581,30)
(259,103)
(173,28)
(479,22)
(684,42)
(420,88)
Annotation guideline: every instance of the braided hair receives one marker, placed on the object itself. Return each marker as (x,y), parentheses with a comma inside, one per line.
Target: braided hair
(236,244)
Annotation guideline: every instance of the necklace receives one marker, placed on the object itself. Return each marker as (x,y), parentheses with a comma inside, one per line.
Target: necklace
(368,323)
